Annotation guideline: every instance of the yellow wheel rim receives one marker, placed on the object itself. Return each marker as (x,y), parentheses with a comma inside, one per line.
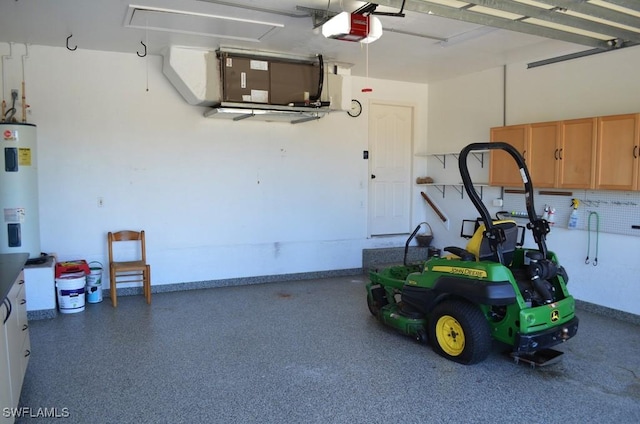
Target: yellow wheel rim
(450,335)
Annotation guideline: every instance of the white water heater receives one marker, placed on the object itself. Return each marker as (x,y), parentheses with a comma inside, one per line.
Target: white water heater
(20,229)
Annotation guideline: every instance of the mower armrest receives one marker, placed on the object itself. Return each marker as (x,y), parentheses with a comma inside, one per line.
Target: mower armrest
(463,254)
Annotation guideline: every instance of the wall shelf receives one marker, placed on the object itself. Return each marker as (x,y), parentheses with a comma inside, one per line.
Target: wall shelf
(459,187)
(442,157)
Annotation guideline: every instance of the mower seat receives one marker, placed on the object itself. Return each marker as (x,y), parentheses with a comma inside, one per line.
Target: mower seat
(479,245)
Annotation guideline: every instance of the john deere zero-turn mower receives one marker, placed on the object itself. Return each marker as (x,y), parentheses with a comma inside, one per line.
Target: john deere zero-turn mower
(493,290)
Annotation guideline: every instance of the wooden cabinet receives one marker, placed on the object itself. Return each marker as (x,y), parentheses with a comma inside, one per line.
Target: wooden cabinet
(618,152)
(543,153)
(503,170)
(559,154)
(576,155)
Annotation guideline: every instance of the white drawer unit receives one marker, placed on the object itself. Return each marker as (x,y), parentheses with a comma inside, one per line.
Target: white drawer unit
(17,336)
(15,345)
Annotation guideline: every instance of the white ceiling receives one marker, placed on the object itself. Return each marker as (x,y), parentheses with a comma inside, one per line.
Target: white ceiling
(104,25)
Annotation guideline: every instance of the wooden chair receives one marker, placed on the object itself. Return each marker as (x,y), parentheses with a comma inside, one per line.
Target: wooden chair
(129,271)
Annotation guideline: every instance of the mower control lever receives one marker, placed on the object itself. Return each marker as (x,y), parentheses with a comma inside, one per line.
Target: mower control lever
(463,254)
(496,237)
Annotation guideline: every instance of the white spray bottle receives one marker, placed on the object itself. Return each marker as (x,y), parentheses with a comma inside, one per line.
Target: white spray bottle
(573,218)
(552,216)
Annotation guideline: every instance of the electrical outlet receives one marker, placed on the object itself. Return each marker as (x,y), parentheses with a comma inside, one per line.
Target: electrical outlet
(497,203)
(100,202)
(14,92)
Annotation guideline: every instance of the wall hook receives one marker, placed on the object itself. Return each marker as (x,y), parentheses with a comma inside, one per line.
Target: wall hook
(145,50)
(72,49)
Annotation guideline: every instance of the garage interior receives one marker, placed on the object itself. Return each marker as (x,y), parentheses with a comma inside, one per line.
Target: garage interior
(262,222)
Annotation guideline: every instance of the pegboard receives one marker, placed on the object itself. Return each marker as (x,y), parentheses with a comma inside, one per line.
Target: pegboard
(618,211)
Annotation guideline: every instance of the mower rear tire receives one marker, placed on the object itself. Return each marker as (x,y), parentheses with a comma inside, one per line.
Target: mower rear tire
(458,330)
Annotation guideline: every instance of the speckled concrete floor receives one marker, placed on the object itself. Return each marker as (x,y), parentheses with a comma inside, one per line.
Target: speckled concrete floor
(307,352)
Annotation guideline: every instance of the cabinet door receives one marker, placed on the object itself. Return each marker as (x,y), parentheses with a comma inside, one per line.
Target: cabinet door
(618,145)
(23,326)
(14,344)
(5,376)
(544,153)
(503,170)
(577,154)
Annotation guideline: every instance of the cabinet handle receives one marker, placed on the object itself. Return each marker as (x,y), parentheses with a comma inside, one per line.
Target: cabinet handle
(23,301)
(555,154)
(21,282)
(560,154)
(9,310)
(25,327)
(27,353)
(635,152)
(524,154)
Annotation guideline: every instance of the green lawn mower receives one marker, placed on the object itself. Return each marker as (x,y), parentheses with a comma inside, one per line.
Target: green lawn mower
(495,289)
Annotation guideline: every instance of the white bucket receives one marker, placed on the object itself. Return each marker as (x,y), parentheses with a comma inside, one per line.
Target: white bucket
(94,283)
(70,289)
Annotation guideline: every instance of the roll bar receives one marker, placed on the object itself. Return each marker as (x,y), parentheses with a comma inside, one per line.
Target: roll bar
(539,227)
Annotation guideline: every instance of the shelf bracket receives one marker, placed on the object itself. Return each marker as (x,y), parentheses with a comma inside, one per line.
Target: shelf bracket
(441,189)
(245,116)
(306,119)
(479,157)
(459,189)
(442,159)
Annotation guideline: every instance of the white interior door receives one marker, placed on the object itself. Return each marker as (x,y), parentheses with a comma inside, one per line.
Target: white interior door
(390,141)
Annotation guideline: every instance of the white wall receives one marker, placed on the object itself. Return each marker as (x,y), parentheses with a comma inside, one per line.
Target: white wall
(218,199)
(460,112)
(603,84)
(223,199)
(460,108)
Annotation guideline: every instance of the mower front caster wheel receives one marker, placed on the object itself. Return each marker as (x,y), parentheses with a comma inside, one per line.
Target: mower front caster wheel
(376,299)
(373,308)
(459,331)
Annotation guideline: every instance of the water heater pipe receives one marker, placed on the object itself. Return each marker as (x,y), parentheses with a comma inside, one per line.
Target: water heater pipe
(24,97)
(4,103)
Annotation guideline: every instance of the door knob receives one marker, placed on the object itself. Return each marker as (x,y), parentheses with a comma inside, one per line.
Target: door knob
(372,176)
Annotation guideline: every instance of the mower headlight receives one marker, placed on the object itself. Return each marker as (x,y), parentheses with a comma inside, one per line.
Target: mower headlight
(530,318)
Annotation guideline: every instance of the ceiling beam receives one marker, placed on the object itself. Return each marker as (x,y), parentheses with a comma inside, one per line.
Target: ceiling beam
(553,16)
(461,14)
(629,4)
(590,9)
(319,16)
